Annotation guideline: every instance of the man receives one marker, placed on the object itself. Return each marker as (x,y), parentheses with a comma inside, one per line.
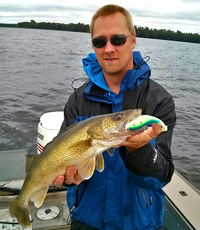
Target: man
(128,193)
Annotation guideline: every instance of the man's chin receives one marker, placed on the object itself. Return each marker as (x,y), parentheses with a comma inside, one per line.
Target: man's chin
(112,70)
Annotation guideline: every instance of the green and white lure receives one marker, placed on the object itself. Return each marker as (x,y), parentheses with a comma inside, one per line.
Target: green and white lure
(143,120)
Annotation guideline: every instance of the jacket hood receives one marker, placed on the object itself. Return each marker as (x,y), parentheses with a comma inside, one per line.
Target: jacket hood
(131,80)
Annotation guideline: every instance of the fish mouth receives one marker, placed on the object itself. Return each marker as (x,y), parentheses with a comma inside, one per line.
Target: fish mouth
(136,113)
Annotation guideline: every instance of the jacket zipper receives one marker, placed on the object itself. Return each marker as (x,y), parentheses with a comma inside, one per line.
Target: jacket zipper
(145,199)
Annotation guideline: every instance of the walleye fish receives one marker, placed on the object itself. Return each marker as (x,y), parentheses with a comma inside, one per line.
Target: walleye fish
(80,145)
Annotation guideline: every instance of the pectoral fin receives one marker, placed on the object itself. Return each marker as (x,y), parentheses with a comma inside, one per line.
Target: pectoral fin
(111,151)
(86,168)
(39,196)
(99,163)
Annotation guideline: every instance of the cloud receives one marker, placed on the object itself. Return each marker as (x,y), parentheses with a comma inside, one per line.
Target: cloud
(63,13)
(41,7)
(172,14)
(177,19)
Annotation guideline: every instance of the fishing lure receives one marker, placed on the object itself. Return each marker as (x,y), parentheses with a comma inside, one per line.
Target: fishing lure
(143,120)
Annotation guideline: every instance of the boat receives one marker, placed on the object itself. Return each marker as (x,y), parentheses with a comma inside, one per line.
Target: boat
(182,204)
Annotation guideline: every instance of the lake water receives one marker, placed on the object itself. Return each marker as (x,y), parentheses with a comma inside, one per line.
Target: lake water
(37,68)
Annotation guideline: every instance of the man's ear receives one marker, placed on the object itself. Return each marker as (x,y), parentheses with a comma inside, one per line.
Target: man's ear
(134,40)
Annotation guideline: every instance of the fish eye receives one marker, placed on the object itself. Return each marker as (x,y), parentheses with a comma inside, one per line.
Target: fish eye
(118,116)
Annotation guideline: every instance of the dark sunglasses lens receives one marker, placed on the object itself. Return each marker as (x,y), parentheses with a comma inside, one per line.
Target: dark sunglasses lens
(118,40)
(99,42)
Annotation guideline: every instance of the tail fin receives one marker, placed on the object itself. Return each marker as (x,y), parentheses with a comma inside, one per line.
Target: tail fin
(21,213)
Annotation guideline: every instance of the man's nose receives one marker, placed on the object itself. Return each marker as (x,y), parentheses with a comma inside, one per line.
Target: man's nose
(109,47)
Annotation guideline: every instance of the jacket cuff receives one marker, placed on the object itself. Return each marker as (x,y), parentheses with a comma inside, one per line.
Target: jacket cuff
(141,161)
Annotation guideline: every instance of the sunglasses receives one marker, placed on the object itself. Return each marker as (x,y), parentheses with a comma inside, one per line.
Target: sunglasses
(116,40)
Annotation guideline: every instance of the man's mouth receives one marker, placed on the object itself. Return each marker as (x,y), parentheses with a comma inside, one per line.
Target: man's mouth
(111,59)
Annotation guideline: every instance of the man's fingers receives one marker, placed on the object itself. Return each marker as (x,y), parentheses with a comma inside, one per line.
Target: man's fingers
(69,177)
(70,171)
(59,180)
(77,178)
(72,176)
(135,142)
(154,131)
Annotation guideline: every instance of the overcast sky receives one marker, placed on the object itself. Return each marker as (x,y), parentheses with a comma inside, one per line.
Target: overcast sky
(182,15)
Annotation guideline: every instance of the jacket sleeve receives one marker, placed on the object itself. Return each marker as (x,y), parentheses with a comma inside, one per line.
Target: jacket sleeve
(151,166)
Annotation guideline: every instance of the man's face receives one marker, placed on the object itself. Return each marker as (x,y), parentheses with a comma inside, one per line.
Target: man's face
(114,60)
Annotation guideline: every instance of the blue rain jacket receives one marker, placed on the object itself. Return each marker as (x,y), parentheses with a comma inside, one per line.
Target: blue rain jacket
(128,194)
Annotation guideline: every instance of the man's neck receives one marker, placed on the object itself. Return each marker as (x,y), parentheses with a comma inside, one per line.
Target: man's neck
(113,82)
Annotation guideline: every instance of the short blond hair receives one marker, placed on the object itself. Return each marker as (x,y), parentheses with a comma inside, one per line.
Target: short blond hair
(112,9)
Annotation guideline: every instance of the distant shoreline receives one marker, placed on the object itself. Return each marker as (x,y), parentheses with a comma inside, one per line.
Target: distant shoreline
(143,32)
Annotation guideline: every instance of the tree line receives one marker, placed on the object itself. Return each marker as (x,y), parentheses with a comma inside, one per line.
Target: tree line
(143,32)
(163,34)
(80,27)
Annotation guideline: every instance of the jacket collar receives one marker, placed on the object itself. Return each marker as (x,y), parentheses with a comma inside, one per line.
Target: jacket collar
(130,81)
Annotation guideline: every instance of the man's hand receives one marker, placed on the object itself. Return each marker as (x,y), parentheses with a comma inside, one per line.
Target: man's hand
(71,177)
(137,141)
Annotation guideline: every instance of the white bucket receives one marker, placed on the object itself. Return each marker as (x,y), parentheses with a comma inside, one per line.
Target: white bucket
(48,128)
